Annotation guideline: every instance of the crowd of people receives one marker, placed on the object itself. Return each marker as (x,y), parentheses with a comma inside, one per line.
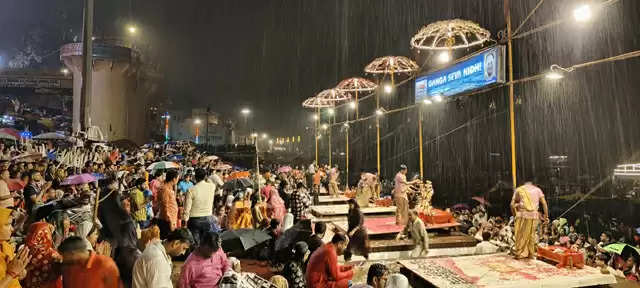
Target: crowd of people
(96,216)
(497,234)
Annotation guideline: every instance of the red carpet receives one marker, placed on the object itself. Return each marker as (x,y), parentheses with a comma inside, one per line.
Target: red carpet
(382,225)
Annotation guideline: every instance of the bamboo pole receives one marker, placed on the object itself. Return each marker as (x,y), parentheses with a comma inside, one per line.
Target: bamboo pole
(316,133)
(420,140)
(346,181)
(357,114)
(512,119)
(378,133)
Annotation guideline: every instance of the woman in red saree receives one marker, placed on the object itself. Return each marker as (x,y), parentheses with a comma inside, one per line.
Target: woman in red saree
(44,255)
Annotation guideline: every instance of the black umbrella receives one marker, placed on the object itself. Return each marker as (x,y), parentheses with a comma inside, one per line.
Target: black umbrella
(243,239)
(235,184)
(299,232)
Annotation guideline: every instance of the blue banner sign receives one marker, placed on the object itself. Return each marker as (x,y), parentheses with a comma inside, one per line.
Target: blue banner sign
(480,70)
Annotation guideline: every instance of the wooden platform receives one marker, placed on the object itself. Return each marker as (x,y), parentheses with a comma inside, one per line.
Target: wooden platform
(342,210)
(329,200)
(498,270)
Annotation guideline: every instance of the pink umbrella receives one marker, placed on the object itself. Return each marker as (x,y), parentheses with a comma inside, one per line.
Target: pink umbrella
(79,179)
(481,201)
(10,131)
(284,169)
(15,184)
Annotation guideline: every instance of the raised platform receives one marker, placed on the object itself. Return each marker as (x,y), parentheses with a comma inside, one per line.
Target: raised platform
(342,210)
(499,270)
(329,200)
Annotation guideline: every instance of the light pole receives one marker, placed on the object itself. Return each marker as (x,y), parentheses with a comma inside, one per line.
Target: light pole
(197,123)
(245,113)
(166,118)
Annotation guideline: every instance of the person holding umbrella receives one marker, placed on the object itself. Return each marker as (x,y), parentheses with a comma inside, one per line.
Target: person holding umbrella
(206,265)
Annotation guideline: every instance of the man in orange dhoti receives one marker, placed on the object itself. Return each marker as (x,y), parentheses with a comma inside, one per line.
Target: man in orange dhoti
(525,205)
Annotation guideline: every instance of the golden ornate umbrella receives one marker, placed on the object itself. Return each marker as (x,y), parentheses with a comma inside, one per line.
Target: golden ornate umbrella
(356,84)
(450,34)
(333,95)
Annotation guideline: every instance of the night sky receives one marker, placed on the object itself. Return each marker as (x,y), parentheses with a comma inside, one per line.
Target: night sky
(266,55)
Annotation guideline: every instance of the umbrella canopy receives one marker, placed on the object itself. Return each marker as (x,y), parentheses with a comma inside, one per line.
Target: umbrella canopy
(50,136)
(27,157)
(284,169)
(333,95)
(5,135)
(235,184)
(450,34)
(163,165)
(481,200)
(210,158)
(460,206)
(356,84)
(243,239)
(315,102)
(15,184)
(391,64)
(223,167)
(13,132)
(79,179)
(175,157)
(299,232)
(623,249)
(238,175)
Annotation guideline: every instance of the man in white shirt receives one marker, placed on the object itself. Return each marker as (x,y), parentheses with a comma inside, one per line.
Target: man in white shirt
(198,206)
(486,247)
(153,268)
(217,181)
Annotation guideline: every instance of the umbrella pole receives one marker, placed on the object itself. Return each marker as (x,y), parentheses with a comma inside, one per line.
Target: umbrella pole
(95,208)
(420,140)
(316,134)
(378,133)
(347,152)
(329,134)
(512,120)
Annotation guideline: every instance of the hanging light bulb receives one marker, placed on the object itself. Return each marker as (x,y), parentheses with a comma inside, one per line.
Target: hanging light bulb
(315,117)
(582,13)
(325,126)
(388,88)
(352,104)
(379,112)
(331,111)
(444,57)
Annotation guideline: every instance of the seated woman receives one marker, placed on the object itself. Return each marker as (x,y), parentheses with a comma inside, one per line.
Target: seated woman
(240,216)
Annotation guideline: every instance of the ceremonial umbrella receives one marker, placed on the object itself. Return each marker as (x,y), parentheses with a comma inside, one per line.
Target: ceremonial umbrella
(317,103)
(210,158)
(238,175)
(243,239)
(79,179)
(163,165)
(356,84)
(623,249)
(284,169)
(50,136)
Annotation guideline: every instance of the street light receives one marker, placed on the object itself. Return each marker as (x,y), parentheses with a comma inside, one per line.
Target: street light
(352,104)
(315,117)
(444,57)
(254,135)
(65,71)
(264,135)
(379,112)
(331,111)
(582,13)
(325,126)
(553,75)
(132,29)
(245,111)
